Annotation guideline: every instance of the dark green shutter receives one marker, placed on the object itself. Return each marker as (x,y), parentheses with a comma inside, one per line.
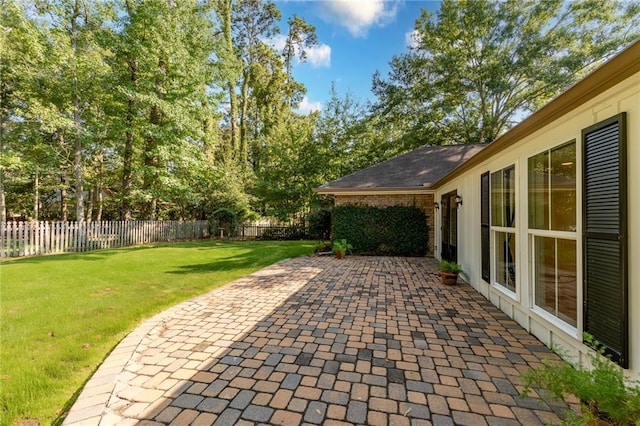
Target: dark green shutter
(484,226)
(605,236)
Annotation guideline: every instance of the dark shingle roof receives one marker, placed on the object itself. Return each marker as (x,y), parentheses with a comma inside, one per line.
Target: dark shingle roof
(421,167)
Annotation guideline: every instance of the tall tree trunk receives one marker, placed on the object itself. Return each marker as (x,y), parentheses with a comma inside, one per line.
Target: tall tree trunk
(243,154)
(98,202)
(36,196)
(127,158)
(64,211)
(225,17)
(77,146)
(90,203)
(151,160)
(3,205)
(233,142)
(79,177)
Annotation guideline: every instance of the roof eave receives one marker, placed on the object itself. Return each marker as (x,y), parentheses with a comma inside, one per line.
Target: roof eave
(369,191)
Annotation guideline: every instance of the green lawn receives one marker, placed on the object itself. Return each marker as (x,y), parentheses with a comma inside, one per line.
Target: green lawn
(61,315)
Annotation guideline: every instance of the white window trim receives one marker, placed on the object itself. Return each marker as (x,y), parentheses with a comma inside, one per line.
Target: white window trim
(514,295)
(565,235)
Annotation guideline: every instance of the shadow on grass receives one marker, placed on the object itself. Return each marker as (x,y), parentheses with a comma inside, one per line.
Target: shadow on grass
(102,254)
(88,255)
(252,259)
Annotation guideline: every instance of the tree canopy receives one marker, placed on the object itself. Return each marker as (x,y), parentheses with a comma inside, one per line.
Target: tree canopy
(131,109)
(476,66)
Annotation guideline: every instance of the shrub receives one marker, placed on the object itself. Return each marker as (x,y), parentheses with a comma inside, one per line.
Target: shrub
(603,389)
(284,233)
(394,230)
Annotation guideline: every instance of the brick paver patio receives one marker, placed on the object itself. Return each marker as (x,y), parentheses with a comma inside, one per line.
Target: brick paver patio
(316,340)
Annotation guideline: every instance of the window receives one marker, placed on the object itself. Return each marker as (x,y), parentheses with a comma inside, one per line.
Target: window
(503,222)
(485,227)
(552,227)
(555,277)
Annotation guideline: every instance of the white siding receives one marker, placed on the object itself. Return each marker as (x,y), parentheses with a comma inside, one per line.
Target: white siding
(624,97)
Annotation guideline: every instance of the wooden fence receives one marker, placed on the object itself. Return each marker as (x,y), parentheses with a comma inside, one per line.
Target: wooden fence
(36,238)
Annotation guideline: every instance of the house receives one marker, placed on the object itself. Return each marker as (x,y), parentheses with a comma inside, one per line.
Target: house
(406,180)
(545,219)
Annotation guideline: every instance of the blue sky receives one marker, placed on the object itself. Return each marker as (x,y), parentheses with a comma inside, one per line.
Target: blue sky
(355,38)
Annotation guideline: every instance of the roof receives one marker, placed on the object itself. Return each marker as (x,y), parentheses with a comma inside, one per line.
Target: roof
(419,168)
(430,167)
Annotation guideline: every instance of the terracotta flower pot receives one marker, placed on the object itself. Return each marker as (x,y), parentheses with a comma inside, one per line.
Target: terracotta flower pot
(449,278)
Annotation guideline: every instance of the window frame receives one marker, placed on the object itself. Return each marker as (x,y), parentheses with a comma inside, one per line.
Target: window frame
(532,233)
(494,230)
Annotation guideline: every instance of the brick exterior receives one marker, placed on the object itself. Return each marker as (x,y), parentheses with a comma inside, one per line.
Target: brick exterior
(423,201)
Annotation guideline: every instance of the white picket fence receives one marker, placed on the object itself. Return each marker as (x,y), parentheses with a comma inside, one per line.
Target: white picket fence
(18,239)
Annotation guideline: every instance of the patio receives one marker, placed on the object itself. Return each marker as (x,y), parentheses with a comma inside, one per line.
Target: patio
(366,340)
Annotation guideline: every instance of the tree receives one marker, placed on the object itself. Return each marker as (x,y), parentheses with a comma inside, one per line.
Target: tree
(163,70)
(479,64)
(290,169)
(20,48)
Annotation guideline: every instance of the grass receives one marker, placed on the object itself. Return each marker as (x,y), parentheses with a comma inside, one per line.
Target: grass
(61,315)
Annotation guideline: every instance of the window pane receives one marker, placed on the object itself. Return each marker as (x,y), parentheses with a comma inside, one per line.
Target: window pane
(510,196)
(555,277)
(539,191)
(484,199)
(563,188)
(545,273)
(567,282)
(505,260)
(497,205)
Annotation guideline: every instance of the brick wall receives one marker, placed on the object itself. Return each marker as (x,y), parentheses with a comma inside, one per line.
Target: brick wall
(423,201)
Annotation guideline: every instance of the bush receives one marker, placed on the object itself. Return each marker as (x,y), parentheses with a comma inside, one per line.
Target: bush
(602,389)
(394,230)
(284,233)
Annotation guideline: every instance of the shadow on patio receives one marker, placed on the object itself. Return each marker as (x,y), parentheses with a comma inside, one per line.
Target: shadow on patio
(366,340)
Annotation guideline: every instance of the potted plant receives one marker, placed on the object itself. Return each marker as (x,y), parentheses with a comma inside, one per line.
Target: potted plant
(449,272)
(607,397)
(340,248)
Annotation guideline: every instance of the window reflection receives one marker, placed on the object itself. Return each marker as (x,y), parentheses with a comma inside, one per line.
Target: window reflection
(506,260)
(552,207)
(555,277)
(552,189)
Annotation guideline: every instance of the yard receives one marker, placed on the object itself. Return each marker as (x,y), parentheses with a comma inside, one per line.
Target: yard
(61,315)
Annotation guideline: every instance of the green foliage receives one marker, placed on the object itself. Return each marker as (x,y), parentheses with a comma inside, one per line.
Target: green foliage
(342,247)
(284,233)
(476,65)
(600,385)
(394,230)
(164,109)
(60,326)
(452,267)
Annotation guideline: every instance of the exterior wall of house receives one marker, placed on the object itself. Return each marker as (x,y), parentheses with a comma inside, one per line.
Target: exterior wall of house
(423,201)
(624,97)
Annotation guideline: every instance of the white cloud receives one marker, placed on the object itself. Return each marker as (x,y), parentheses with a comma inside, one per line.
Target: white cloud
(412,39)
(357,16)
(278,42)
(306,107)
(319,56)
